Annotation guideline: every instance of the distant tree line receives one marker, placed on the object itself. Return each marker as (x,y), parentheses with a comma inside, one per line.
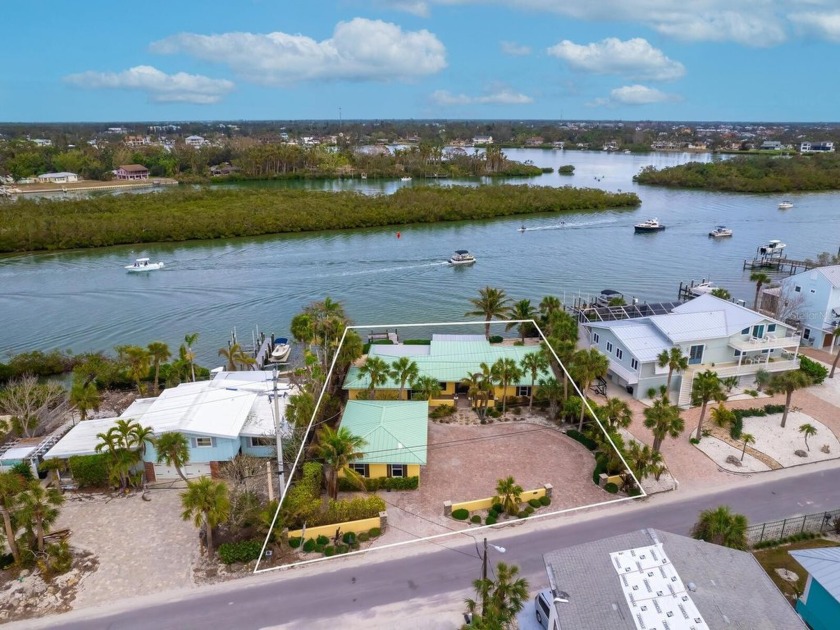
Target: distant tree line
(754,174)
(182,215)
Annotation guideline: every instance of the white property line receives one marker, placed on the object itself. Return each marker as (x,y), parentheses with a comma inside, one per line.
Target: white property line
(445,534)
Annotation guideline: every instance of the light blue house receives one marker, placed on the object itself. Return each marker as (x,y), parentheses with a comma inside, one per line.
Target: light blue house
(713,334)
(819,604)
(232,413)
(811,298)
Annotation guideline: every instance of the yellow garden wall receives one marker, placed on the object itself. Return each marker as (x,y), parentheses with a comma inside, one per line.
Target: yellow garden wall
(358,527)
(484,504)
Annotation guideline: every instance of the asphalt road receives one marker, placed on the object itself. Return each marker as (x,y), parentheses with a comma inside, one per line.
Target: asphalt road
(424,575)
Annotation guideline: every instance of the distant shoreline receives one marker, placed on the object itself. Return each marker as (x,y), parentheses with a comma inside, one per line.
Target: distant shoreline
(92,184)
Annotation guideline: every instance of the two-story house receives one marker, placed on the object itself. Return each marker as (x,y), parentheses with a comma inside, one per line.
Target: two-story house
(816,303)
(713,334)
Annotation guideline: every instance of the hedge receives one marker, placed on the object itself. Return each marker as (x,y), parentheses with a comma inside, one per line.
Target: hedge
(380,483)
(309,545)
(475,518)
(322,540)
(460,514)
(490,520)
(496,339)
(534,503)
(242,551)
(580,437)
(352,510)
(817,371)
(545,501)
(363,537)
(89,471)
(329,551)
(611,488)
(600,467)
(787,539)
(373,532)
(417,342)
(349,538)
(498,508)
(294,542)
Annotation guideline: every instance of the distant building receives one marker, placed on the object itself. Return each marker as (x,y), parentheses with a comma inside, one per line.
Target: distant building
(195,142)
(57,178)
(132,171)
(771,145)
(814,302)
(651,579)
(42,142)
(816,147)
(137,141)
(482,140)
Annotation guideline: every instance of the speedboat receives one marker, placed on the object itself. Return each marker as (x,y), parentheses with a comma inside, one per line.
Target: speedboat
(521,229)
(144,264)
(720,231)
(773,248)
(405,179)
(651,225)
(280,352)
(785,205)
(461,257)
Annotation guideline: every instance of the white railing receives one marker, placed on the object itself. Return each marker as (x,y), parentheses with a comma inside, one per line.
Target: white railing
(763,343)
(731,369)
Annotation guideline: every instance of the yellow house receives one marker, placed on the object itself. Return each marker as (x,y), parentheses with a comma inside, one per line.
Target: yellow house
(395,435)
(448,359)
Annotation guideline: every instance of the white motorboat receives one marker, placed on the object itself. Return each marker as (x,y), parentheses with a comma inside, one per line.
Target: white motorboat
(405,179)
(521,229)
(651,225)
(281,350)
(773,248)
(720,231)
(144,264)
(785,205)
(461,257)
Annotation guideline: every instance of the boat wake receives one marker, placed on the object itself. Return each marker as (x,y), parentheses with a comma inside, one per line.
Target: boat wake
(567,225)
(363,272)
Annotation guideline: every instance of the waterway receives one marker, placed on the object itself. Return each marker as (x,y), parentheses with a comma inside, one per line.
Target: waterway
(85,300)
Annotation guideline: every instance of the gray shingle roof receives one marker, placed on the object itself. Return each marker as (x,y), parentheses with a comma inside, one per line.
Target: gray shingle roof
(823,565)
(732,590)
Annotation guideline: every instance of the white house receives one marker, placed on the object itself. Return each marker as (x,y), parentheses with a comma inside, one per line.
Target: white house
(713,334)
(816,147)
(232,413)
(478,140)
(816,297)
(195,142)
(57,178)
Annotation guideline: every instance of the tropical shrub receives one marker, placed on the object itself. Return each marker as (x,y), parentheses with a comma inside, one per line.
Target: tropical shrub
(242,551)
(309,545)
(350,510)
(460,514)
(349,538)
(545,501)
(497,507)
(534,503)
(522,514)
(611,488)
(817,371)
(294,542)
(89,471)
(23,469)
(380,483)
(496,339)
(363,537)
(475,518)
(529,510)
(442,411)
(580,437)
(322,540)
(374,532)
(490,520)
(737,427)
(342,549)
(329,551)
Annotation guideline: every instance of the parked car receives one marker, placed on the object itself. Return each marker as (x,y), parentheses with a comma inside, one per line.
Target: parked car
(542,603)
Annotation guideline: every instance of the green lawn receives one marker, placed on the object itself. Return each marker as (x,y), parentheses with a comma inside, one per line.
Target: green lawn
(778,558)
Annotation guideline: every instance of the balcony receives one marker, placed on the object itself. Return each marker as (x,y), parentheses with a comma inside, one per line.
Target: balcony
(769,342)
(724,370)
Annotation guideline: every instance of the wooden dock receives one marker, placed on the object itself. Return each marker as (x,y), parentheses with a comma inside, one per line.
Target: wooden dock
(780,264)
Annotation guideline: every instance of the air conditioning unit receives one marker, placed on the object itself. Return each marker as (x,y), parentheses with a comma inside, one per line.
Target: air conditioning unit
(740,302)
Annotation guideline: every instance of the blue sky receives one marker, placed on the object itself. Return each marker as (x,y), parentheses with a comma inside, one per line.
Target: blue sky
(762,60)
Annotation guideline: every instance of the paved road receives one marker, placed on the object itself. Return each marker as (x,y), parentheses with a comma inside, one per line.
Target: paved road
(425,577)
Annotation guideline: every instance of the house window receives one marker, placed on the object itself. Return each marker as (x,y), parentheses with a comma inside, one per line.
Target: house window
(596,337)
(619,354)
(695,355)
(797,288)
(738,353)
(361,469)
(806,334)
(771,327)
(758,331)
(396,470)
(609,346)
(523,390)
(203,442)
(262,440)
(813,290)
(746,331)
(634,364)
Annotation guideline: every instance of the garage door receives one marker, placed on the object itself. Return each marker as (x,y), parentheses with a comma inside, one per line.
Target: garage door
(162,471)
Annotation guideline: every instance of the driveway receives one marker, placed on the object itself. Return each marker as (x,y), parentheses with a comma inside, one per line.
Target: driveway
(465,462)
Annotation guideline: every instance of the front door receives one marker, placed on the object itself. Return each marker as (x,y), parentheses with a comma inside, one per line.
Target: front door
(758,331)
(695,355)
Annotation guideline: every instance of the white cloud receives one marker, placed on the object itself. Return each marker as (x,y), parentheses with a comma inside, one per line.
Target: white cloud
(415,7)
(159,86)
(634,95)
(634,58)
(359,50)
(517,50)
(825,25)
(501,96)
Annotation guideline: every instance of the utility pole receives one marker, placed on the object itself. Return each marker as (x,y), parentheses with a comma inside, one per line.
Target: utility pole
(484,589)
(280,474)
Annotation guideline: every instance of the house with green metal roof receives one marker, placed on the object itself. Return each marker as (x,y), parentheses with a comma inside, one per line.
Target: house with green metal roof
(448,359)
(395,434)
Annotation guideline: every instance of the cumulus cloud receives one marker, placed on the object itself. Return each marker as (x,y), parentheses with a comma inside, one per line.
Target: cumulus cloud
(634,58)
(517,50)
(825,25)
(359,50)
(501,96)
(159,86)
(634,95)
(415,7)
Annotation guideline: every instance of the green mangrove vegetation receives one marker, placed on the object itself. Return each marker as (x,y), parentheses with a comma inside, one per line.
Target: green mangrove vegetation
(754,174)
(197,214)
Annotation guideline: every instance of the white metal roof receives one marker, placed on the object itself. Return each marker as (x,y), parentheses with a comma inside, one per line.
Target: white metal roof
(399,350)
(823,565)
(832,273)
(81,439)
(736,317)
(641,338)
(680,327)
(17,453)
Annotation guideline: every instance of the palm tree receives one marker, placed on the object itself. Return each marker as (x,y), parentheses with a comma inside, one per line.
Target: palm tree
(403,371)
(565,351)
(125,443)
(522,310)
(159,353)
(500,601)
(705,388)
(663,419)
(207,503)
(302,329)
(533,363)
(11,486)
(588,365)
(337,449)
(136,359)
(39,507)
(475,384)
(746,438)
(85,397)
(189,353)
(834,335)
(615,413)
(760,278)
(788,382)
(762,378)
(551,391)
(490,303)
(509,494)
(550,305)
(232,355)
(377,370)
(173,449)
(643,460)
(504,372)
(427,386)
(722,527)
(674,361)
(808,430)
